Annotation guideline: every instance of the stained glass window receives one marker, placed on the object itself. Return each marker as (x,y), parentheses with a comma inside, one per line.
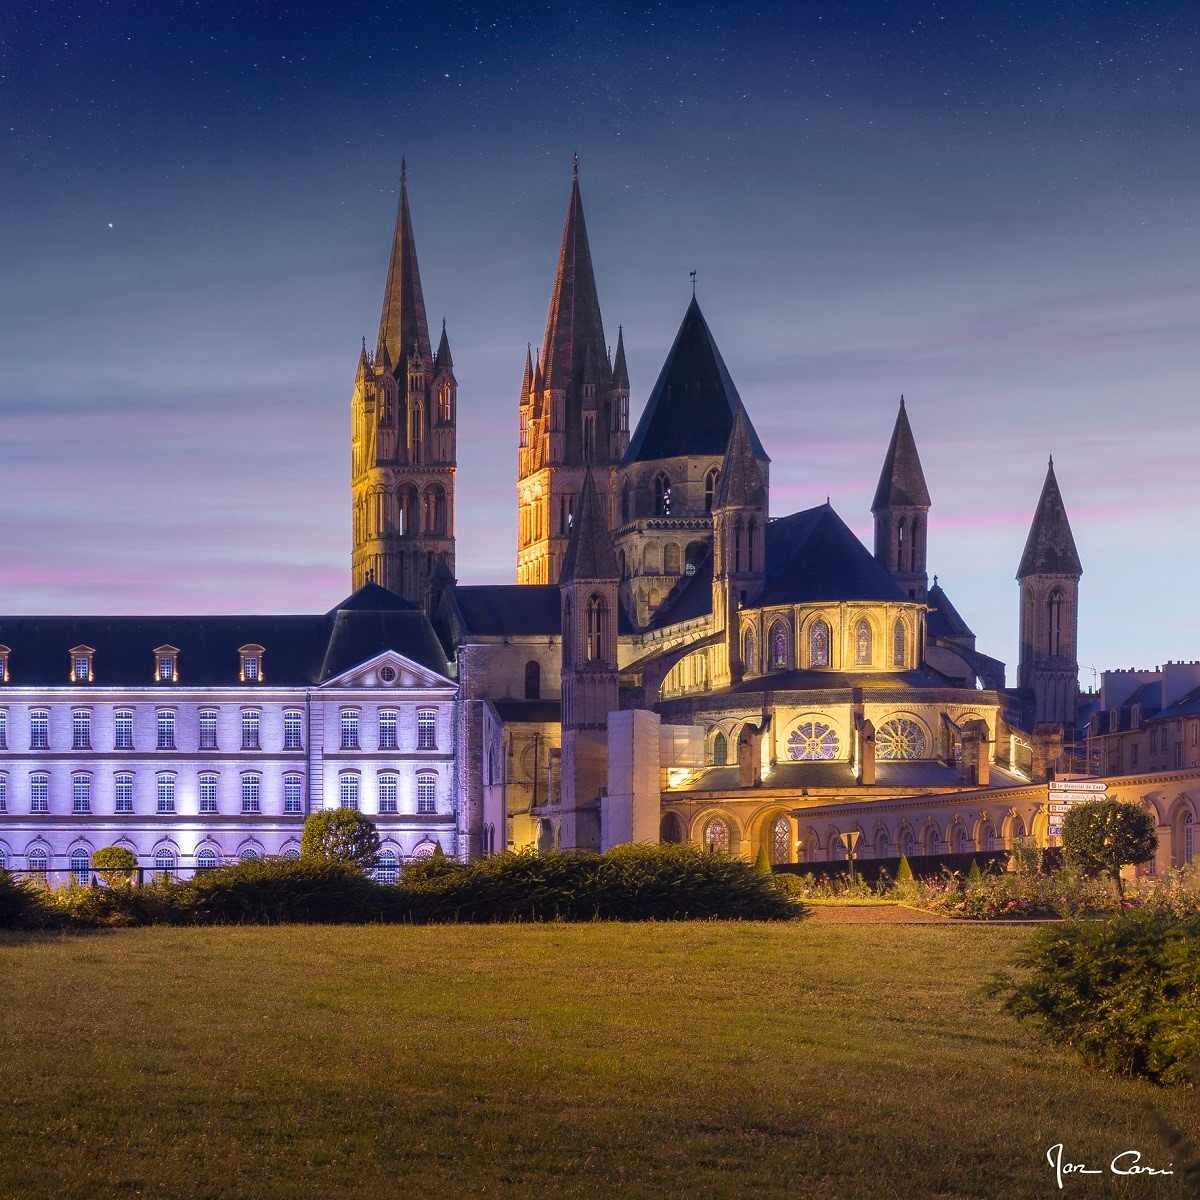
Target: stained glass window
(716,835)
(818,644)
(748,650)
(900,738)
(779,645)
(781,840)
(862,642)
(899,644)
(720,750)
(813,741)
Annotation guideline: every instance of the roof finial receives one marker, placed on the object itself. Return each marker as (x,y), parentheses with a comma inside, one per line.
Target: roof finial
(692,275)
(364,343)
(901,399)
(574,165)
(1052,462)
(403,169)
(935,582)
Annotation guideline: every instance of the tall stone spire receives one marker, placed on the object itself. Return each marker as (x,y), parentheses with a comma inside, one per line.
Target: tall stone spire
(620,370)
(1050,546)
(741,484)
(403,327)
(443,360)
(573,326)
(902,481)
(901,510)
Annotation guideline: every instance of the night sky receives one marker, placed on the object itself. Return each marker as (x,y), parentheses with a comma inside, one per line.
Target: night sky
(992,208)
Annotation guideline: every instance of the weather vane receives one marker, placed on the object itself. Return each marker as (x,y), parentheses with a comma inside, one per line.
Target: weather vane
(692,276)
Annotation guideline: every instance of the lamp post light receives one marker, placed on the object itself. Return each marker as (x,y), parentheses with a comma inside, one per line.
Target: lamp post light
(850,840)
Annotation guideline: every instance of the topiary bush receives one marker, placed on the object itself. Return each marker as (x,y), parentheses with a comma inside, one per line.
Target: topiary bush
(1124,992)
(340,835)
(116,865)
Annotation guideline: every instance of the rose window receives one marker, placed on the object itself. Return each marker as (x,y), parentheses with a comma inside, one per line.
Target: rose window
(813,741)
(900,738)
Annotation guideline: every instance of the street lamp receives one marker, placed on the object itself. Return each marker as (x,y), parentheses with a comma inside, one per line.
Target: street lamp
(850,840)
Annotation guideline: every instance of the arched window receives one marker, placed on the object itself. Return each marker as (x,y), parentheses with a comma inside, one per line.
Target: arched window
(597,628)
(987,836)
(818,644)
(1016,832)
(206,859)
(692,557)
(710,489)
(671,565)
(1188,846)
(1054,627)
(720,750)
(779,646)
(568,630)
(716,835)
(39,863)
(899,644)
(81,867)
(348,790)
(650,559)
(813,741)
(164,861)
(751,538)
(291,853)
(748,650)
(248,855)
(933,840)
(899,739)
(387,868)
(882,843)
(781,840)
(662,494)
(906,842)
(959,839)
(424,850)
(533,680)
(862,642)
(670,829)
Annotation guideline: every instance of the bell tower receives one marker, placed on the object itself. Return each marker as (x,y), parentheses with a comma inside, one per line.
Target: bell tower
(901,510)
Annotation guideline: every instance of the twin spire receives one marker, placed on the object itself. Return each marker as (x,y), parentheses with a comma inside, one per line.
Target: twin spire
(403,328)
(902,481)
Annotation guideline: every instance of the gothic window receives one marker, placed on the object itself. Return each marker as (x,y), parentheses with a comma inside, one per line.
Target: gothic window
(444,405)
(901,565)
(524,427)
(1055,606)
(813,741)
(568,629)
(901,738)
(589,436)
(710,489)
(627,502)
(621,561)
(671,565)
(720,750)
(781,840)
(716,835)
(779,646)
(533,680)
(662,495)
(1188,849)
(597,628)
(670,830)
(906,842)
(933,840)
(751,535)
(818,644)
(987,836)
(862,642)
(899,644)
(748,650)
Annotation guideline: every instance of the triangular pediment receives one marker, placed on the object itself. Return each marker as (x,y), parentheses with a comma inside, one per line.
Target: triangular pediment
(389,671)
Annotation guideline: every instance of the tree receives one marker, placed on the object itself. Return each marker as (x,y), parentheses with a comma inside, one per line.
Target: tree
(762,864)
(974,875)
(1103,836)
(904,872)
(340,835)
(114,864)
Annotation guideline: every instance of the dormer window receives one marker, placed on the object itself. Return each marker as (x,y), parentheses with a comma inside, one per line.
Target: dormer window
(4,653)
(166,664)
(251,670)
(82,664)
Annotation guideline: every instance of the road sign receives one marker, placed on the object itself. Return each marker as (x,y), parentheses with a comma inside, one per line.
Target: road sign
(1088,786)
(1061,808)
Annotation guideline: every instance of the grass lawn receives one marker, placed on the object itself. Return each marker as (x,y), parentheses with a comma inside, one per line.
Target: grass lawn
(566,1061)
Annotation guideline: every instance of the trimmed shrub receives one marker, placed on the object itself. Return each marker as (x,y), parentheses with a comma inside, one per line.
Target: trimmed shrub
(1124,992)
(1103,836)
(762,864)
(974,875)
(160,902)
(340,835)
(115,865)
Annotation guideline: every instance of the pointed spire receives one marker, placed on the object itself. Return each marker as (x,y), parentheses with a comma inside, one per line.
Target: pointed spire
(1050,546)
(573,324)
(902,481)
(620,370)
(590,551)
(741,482)
(527,377)
(538,382)
(443,360)
(403,328)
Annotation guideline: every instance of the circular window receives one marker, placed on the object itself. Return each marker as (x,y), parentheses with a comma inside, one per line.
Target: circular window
(900,738)
(813,741)
(387,674)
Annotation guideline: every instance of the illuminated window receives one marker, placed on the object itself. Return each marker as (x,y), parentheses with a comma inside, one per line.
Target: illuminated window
(597,628)
(720,755)
(748,650)
(348,790)
(293,727)
(39,729)
(387,869)
(813,741)
(251,658)
(3,729)
(388,730)
(862,642)
(81,794)
(208,794)
(166,664)
(819,639)
(662,495)
(39,793)
(293,793)
(165,793)
(4,654)
(716,835)
(164,862)
(81,867)
(81,729)
(3,793)
(900,738)
(81,664)
(350,729)
(899,644)
(251,793)
(206,860)
(123,729)
(251,721)
(779,645)
(123,793)
(165,724)
(426,793)
(781,840)
(388,792)
(710,489)
(426,729)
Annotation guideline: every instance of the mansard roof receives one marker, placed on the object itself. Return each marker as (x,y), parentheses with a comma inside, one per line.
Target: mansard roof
(902,481)
(403,327)
(1050,547)
(944,619)
(812,556)
(590,551)
(300,649)
(692,406)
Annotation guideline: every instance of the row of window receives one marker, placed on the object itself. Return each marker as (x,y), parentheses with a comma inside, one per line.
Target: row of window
(81,664)
(165,791)
(251,721)
(820,640)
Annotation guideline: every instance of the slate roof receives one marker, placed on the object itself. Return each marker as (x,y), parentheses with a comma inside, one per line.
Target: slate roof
(590,551)
(902,481)
(691,409)
(943,619)
(813,556)
(300,650)
(1185,706)
(1050,547)
(690,598)
(813,681)
(512,610)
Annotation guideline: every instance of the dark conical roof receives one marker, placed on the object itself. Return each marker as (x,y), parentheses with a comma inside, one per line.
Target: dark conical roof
(443,360)
(573,326)
(901,482)
(741,472)
(691,409)
(402,323)
(944,620)
(1050,546)
(620,370)
(590,551)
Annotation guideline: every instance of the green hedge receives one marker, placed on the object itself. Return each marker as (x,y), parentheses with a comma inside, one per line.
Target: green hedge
(1124,992)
